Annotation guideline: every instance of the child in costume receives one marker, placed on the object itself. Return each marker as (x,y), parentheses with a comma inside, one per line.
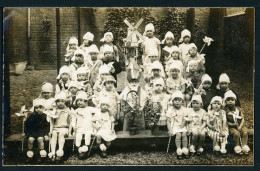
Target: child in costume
(108,41)
(185,42)
(83,123)
(177,117)
(168,48)
(72,92)
(109,92)
(206,92)
(103,72)
(93,64)
(72,46)
(150,43)
(217,128)
(175,82)
(174,58)
(63,79)
(60,126)
(87,43)
(153,56)
(83,80)
(103,122)
(37,128)
(78,61)
(197,124)
(223,86)
(235,122)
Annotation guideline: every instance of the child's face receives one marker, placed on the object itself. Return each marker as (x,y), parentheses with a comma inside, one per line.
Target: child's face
(61,103)
(81,103)
(64,77)
(177,102)
(230,101)
(152,58)
(82,77)
(93,56)
(196,105)
(108,56)
(109,38)
(169,41)
(223,85)
(158,88)
(104,107)
(38,109)
(46,95)
(186,39)
(193,52)
(175,55)
(73,46)
(206,85)
(216,105)
(156,72)
(174,73)
(149,33)
(79,58)
(109,85)
(193,67)
(73,90)
(85,41)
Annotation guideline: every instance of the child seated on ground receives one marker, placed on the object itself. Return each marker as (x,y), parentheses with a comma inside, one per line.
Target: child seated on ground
(60,126)
(223,86)
(103,72)
(103,122)
(185,42)
(197,124)
(83,123)
(150,43)
(217,126)
(63,80)
(78,61)
(109,60)
(108,41)
(83,80)
(236,123)
(168,48)
(174,58)
(206,93)
(93,64)
(37,128)
(72,46)
(72,92)
(156,72)
(175,82)
(177,117)
(110,93)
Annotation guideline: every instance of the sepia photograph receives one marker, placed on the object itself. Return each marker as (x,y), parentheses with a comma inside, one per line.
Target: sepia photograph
(128,86)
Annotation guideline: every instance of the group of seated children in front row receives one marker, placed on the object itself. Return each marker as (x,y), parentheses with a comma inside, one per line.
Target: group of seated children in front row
(86,102)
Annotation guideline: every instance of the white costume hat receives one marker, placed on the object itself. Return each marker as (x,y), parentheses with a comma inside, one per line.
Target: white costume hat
(159,81)
(83,70)
(175,49)
(92,49)
(206,77)
(38,102)
(63,69)
(149,26)
(153,52)
(61,95)
(184,33)
(88,36)
(104,69)
(224,78)
(176,94)
(174,66)
(73,40)
(189,63)
(195,98)
(73,84)
(78,51)
(47,87)
(214,99)
(107,34)
(192,45)
(109,78)
(228,94)
(157,65)
(169,34)
(105,100)
(108,48)
(81,95)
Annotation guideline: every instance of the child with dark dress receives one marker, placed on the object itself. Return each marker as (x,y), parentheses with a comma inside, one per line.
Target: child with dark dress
(168,48)
(63,79)
(37,128)
(207,93)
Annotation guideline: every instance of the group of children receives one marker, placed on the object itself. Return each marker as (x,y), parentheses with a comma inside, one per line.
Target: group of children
(86,102)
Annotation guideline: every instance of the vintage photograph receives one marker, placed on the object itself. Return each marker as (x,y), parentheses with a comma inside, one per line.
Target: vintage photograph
(128,86)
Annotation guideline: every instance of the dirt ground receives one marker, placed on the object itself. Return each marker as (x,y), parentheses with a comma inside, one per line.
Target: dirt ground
(26,87)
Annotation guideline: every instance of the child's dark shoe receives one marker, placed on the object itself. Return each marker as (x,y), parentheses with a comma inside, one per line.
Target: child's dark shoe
(179,157)
(103,154)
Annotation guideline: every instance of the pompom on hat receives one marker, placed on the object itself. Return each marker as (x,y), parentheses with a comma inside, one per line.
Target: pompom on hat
(169,34)
(88,36)
(63,69)
(149,26)
(93,49)
(107,34)
(77,52)
(184,33)
(47,87)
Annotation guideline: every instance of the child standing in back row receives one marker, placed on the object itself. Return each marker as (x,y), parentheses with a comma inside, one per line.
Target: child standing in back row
(185,42)
(168,48)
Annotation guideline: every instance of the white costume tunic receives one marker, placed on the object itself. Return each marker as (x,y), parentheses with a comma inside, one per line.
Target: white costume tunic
(84,119)
(104,122)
